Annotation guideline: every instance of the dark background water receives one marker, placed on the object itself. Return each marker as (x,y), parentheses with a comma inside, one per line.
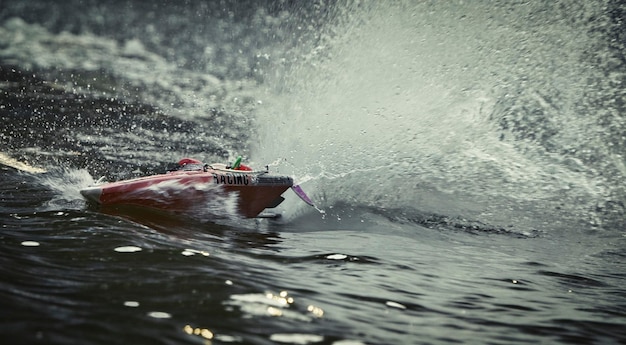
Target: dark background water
(468,158)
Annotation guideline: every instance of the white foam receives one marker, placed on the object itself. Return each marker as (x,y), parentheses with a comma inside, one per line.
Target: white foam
(146,74)
(23,166)
(127,249)
(190,252)
(66,184)
(132,304)
(159,315)
(396,305)
(296,338)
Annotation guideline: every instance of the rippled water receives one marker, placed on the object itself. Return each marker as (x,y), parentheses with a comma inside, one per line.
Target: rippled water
(467,159)
(77,276)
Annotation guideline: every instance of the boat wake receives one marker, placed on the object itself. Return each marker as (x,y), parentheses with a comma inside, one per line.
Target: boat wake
(471,115)
(395,115)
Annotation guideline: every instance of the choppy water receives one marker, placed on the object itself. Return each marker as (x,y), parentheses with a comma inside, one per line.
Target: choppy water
(468,156)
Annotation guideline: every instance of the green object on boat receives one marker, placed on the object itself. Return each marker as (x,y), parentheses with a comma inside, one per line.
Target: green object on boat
(237,163)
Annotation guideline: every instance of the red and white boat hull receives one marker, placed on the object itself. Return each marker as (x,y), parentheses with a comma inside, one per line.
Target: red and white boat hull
(246,193)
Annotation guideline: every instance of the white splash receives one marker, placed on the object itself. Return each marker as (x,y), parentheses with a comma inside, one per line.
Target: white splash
(127,249)
(23,166)
(296,338)
(337,257)
(159,315)
(396,305)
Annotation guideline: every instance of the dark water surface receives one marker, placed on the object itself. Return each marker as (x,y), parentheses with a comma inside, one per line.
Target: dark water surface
(468,159)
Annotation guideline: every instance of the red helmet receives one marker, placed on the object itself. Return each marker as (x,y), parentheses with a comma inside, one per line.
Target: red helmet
(186,161)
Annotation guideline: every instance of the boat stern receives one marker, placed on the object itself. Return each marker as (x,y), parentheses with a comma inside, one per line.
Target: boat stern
(92,194)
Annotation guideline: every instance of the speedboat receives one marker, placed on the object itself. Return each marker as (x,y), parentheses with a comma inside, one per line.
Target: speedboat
(194,186)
